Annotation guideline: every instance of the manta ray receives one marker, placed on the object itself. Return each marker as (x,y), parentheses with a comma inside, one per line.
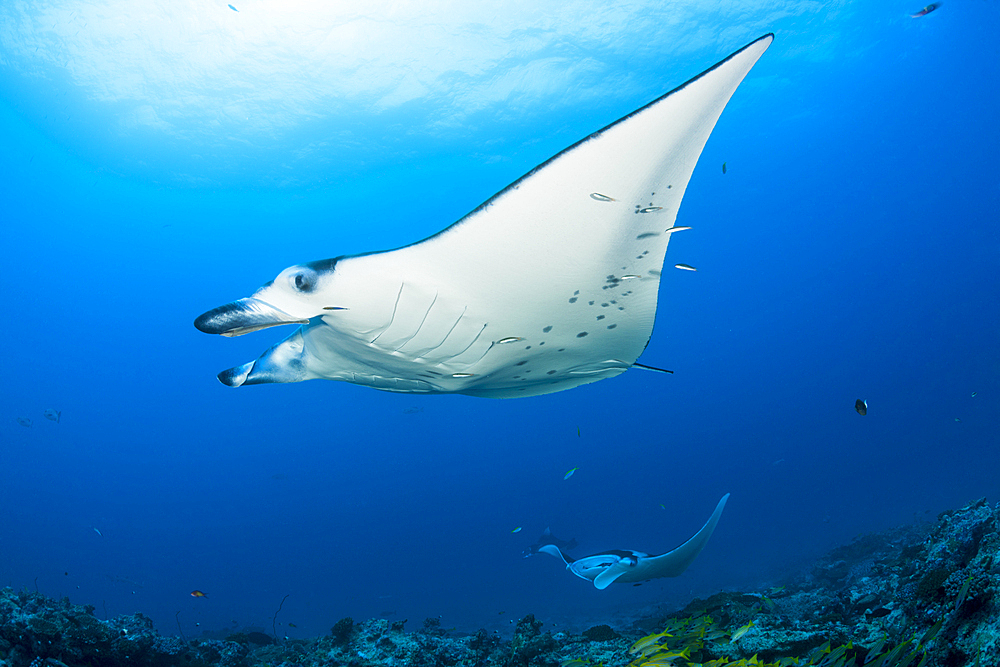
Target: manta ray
(548,539)
(614,565)
(550,284)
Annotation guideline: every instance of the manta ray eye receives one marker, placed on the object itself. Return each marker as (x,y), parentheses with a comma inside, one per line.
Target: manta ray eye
(304,281)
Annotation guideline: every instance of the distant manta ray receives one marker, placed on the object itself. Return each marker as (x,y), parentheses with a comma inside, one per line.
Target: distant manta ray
(613,565)
(550,284)
(548,539)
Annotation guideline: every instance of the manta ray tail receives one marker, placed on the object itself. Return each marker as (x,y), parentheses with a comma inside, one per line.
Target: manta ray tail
(644,367)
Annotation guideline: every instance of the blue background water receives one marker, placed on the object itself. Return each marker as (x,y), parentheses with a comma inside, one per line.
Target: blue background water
(158,161)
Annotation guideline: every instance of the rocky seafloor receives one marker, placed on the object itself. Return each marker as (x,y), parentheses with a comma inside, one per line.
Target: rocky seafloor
(921,595)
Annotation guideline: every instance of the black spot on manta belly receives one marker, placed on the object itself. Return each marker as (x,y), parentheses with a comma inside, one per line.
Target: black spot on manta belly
(600,317)
(572,299)
(582,334)
(547,329)
(521,363)
(551,373)
(612,326)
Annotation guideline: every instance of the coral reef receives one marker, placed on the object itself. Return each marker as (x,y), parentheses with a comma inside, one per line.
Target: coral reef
(600,633)
(918,595)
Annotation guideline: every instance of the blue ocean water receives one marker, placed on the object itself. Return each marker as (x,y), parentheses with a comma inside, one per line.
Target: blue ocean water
(158,161)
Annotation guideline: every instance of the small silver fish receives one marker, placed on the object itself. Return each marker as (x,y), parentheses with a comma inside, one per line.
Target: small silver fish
(24,421)
(685,267)
(675,229)
(963,592)
(53,415)
(570,473)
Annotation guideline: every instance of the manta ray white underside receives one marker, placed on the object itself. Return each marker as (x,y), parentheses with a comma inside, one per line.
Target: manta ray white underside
(550,284)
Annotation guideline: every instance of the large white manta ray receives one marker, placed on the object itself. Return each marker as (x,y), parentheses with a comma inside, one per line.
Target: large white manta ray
(550,284)
(608,567)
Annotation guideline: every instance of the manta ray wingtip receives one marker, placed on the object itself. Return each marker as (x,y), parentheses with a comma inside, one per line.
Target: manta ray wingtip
(235,377)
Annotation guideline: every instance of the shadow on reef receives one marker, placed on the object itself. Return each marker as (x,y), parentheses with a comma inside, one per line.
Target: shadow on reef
(917,595)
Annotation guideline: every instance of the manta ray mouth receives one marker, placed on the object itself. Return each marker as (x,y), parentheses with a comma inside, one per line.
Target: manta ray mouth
(243,317)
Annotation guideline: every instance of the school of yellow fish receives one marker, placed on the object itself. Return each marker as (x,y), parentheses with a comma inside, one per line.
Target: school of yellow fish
(681,644)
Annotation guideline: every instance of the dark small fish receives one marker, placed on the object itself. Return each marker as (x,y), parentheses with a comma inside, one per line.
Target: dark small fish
(53,415)
(412,411)
(926,10)
(879,613)
(723,167)
(232,8)
(861,407)
(292,625)
(198,594)
(24,421)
